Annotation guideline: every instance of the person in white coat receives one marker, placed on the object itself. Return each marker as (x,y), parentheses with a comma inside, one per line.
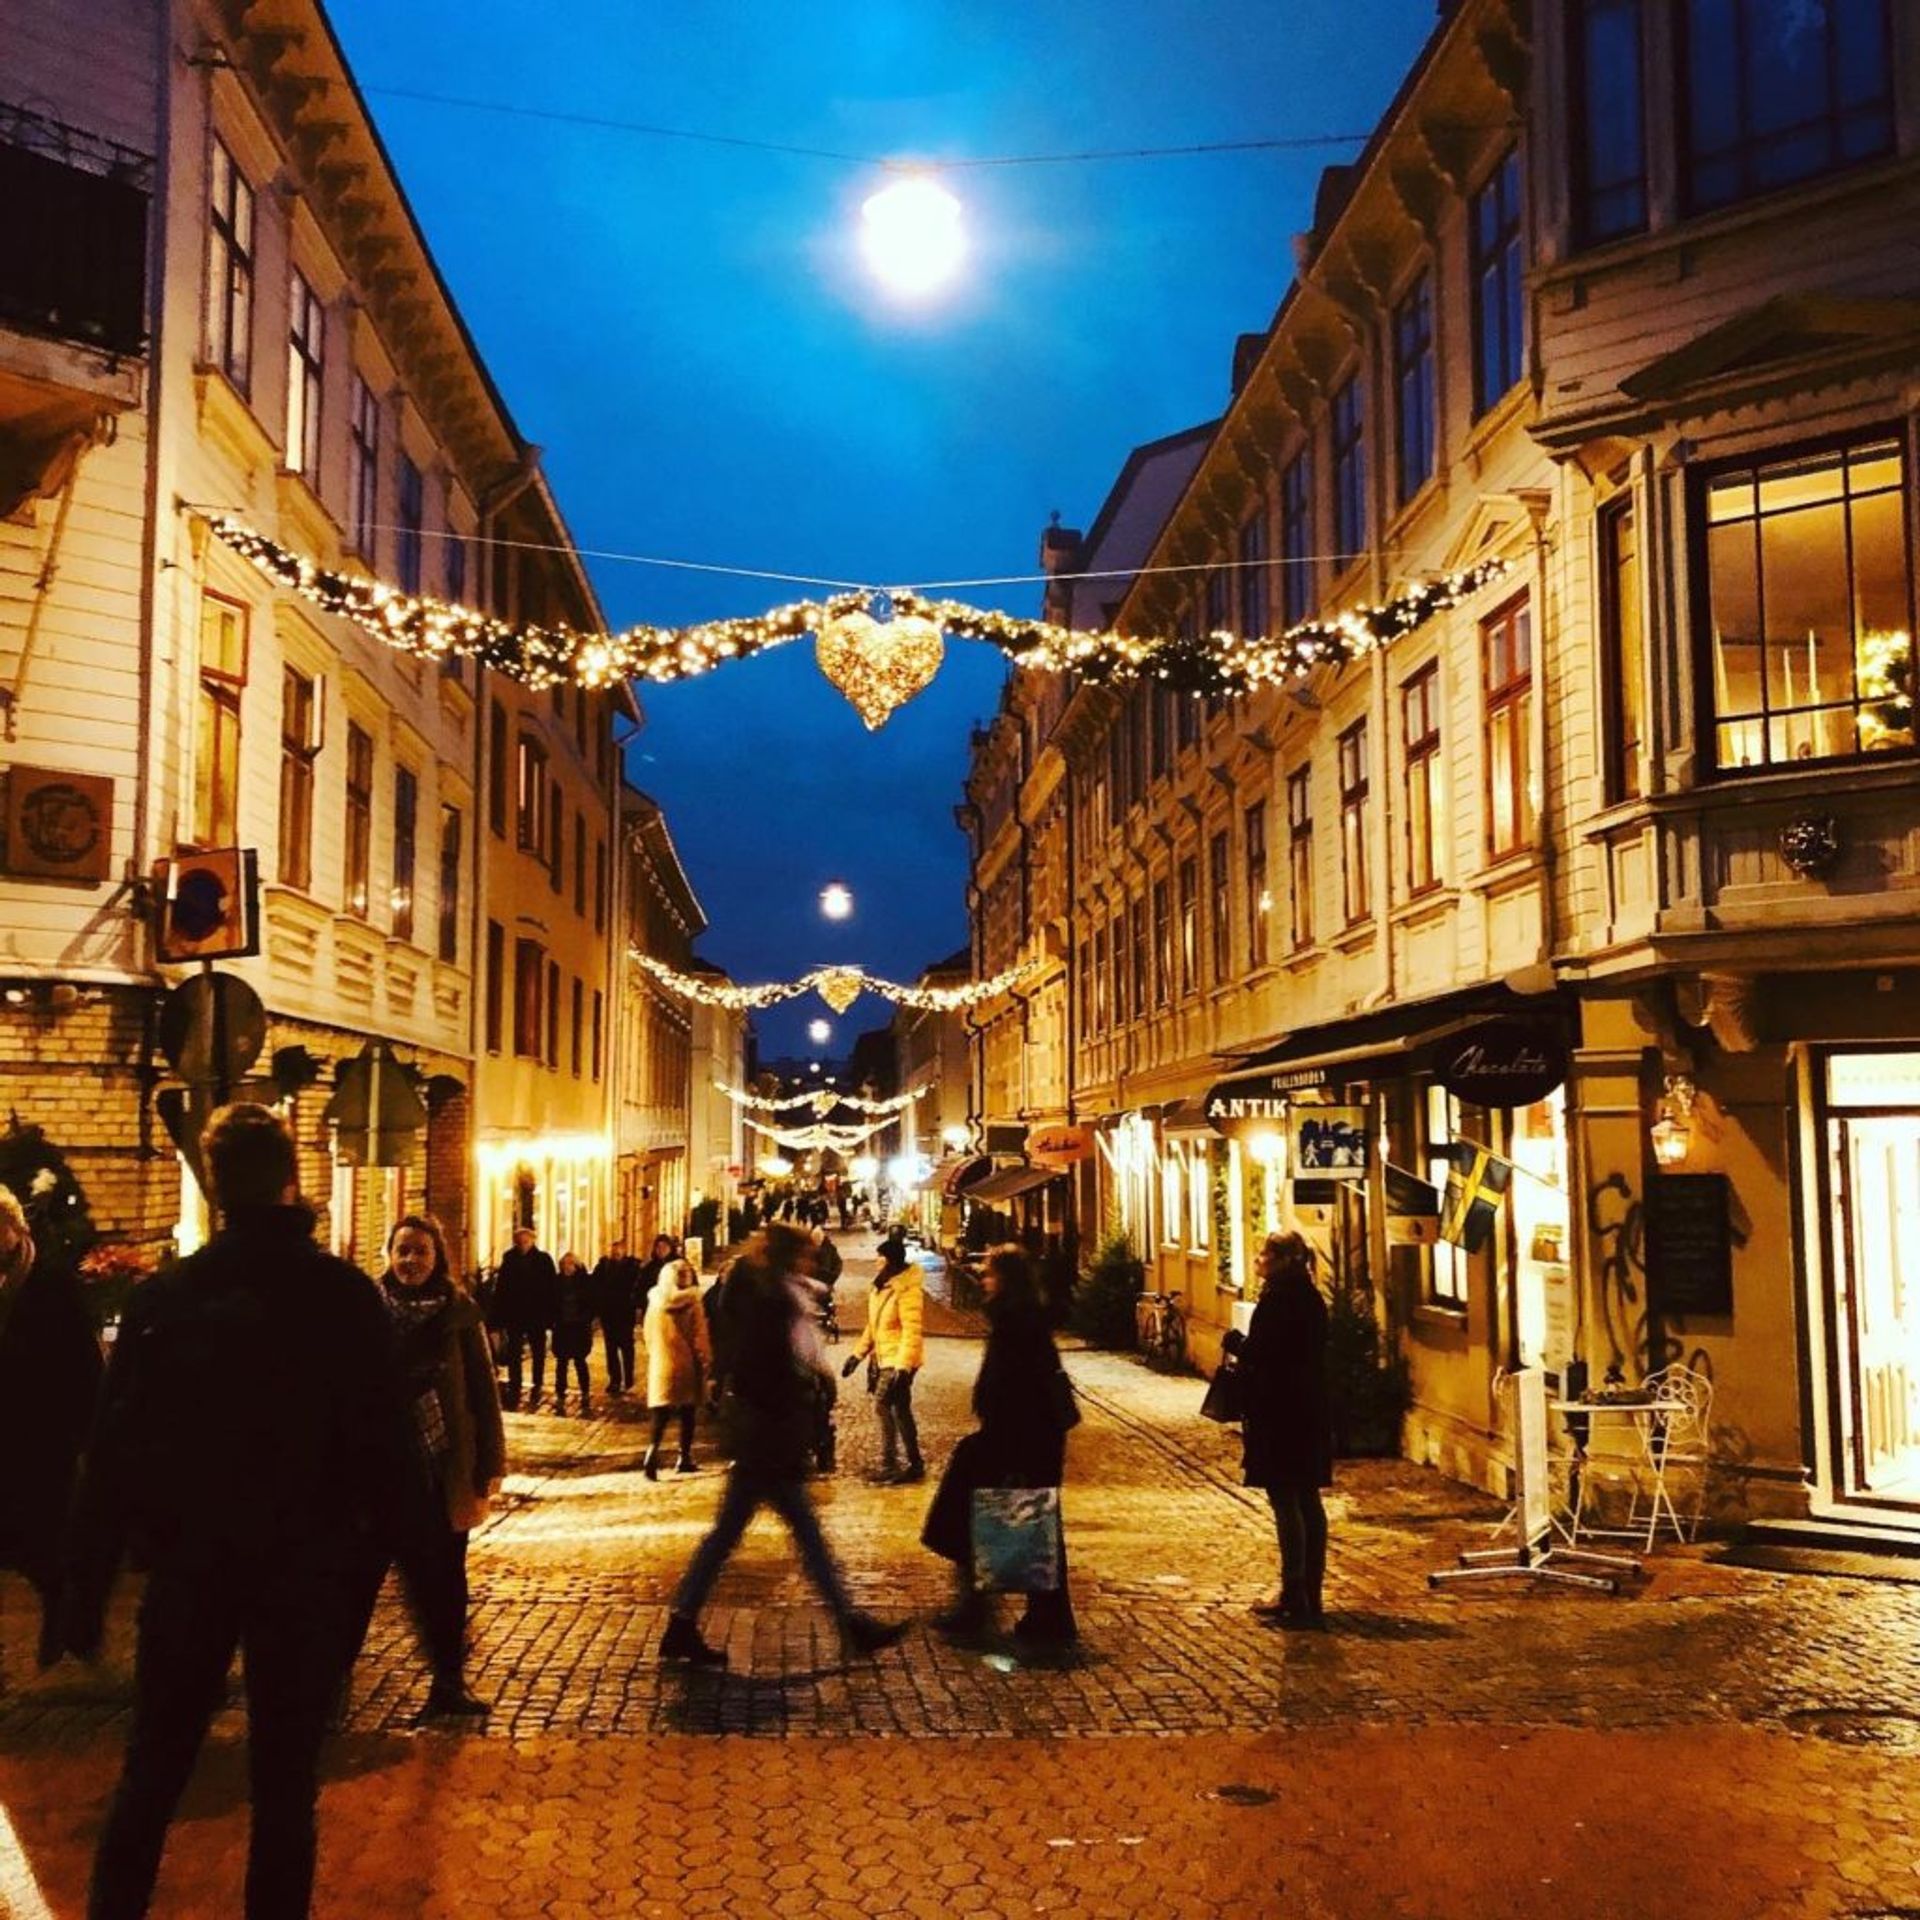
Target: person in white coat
(679,1359)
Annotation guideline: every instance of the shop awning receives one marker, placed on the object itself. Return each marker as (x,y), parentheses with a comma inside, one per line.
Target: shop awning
(1186,1116)
(1010,1183)
(1395,1036)
(955,1172)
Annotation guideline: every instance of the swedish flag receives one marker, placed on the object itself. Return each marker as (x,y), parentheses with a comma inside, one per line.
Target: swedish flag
(1477,1178)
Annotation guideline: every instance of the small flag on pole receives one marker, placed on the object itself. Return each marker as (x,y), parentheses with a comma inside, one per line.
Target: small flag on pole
(1413,1209)
(1476,1180)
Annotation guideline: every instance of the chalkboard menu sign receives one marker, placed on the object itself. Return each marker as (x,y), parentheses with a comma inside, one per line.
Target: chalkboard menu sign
(1689,1244)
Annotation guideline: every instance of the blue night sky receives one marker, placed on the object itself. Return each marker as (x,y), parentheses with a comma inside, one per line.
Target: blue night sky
(687,331)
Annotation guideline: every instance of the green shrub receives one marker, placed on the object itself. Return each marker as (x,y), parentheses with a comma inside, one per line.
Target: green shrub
(1104,1301)
(1367,1377)
(703,1222)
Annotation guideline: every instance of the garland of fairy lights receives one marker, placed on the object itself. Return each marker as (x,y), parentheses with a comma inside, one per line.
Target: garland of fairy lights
(808,1139)
(823,1100)
(1216,663)
(838,986)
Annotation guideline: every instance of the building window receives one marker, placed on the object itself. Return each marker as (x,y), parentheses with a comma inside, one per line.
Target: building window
(1117,950)
(216,757)
(1349,474)
(531,797)
(1420,728)
(1259,898)
(1219,601)
(529,979)
(1810,608)
(556,830)
(299,748)
(230,270)
(1296,539)
(1189,925)
(359,887)
(497,769)
(1498,296)
(1096,998)
(363,466)
(1623,652)
(410,503)
(1162,943)
(1300,854)
(406,822)
(1219,908)
(1609,147)
(580,863)
(1413,390)
(1085,987)
(1447,1263)
(599,1018)
(454,559)
(1158,722)
(1509,655)
(496,985)
(1777,93)
(450,884)
(553,1015)
(579,1024)
(1253,575)
(599,886)
(306,346)
(1137,955)
(1356,896)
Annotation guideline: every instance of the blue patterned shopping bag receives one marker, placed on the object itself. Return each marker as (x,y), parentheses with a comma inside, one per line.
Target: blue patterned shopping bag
(1016,1538)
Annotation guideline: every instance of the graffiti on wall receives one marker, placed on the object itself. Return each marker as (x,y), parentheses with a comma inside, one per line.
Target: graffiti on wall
(1616,1228)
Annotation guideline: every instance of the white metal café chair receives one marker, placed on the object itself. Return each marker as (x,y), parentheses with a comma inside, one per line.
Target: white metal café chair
(1679,1446)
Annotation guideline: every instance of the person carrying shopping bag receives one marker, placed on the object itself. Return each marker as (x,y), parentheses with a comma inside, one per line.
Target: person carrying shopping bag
(895,1338)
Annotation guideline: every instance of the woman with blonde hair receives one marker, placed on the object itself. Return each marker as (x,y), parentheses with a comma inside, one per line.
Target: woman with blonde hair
(1287,1426)
(448,1373)
(679,1357)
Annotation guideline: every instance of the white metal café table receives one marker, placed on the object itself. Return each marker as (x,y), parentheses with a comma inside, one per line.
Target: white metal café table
(1650,1421)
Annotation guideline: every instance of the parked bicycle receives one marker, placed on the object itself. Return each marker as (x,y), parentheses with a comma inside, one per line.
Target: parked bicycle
(1160,1331)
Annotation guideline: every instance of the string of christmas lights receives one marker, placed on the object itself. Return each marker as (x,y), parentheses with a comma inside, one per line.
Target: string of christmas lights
(838,986)
(810,1139)
(822,1100)
(879,648)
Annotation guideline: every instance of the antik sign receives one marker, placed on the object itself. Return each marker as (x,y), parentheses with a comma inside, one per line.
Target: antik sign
(1257,1103)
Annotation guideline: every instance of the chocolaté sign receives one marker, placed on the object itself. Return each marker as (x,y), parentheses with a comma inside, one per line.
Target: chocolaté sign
(1501,1063)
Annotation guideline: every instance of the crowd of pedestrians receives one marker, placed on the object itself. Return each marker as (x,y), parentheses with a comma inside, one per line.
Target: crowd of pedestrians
(274,1433)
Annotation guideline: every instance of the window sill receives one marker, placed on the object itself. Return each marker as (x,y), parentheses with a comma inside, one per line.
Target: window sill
(1355,937)
(1508,870)
(1302,958)
(1432,903)
(1442,1316)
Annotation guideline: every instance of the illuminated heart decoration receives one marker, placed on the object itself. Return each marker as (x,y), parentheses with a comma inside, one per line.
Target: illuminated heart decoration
(824,1103)
(879,665)
(839,987)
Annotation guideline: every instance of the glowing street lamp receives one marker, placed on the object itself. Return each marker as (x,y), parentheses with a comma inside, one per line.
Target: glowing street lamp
(820,1032)
(912,236)
(836,900)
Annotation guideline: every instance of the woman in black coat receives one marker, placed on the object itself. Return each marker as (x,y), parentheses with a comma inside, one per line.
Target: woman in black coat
(1021,1442)
(1287,1424)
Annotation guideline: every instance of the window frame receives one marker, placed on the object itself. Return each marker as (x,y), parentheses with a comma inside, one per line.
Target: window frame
(306,376)
(1509,699)
(1582,120)
(1220,906)
(299,755)
(1356,788)
(1299,790)
(496,986)
(1253,831)
(1254,611)
(363,467)
(1447,1271)
(1623,660)
(532,793)
(1187,912)
(1498,268)
(447,944)
(406,850)
(529,998)
(410,520)
(1416,394)
(219,717)
(1420,773)
(1347,436)
(1161,909)
(1297,596)
(227,334)
(356,878)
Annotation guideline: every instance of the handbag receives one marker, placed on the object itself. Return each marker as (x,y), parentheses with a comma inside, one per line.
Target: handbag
(1226,1397)
(1016,1538)
(1064,1407)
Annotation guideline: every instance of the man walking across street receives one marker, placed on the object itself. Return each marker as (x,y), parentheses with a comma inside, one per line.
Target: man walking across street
(251,1449)
(526,1303)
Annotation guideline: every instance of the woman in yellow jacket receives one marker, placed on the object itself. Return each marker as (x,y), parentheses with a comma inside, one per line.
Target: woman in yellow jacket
(896,1338)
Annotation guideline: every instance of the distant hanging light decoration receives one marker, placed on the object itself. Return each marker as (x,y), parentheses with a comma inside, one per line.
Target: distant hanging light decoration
(836,902)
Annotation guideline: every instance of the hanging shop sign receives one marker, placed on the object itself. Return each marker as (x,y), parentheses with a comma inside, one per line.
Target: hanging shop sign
(1256,1103)
(1060,1146)
(1501,1063)
(58,825)
(1327,1143)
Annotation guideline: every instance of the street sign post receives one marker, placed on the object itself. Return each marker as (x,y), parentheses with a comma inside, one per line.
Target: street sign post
(376,1109)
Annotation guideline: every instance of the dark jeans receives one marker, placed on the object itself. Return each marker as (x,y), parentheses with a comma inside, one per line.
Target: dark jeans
(560,1365)
(619,1344)
(1300,1519)
(518,1339)
(894,1403)
(748,1490)
(291,1626)
(433,1576)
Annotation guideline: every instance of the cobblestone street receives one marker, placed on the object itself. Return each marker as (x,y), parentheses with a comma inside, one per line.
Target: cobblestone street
(1718,1741)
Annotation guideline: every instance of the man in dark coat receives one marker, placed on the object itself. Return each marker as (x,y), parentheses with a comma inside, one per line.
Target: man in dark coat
(1288,1423)
(615,1293)
(771,1405)
(526,1304)
(49,1379)
(251,1443)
